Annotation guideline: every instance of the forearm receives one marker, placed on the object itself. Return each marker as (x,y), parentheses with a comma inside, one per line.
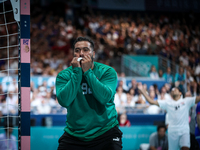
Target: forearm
(102,90)
(151,101)
(66,89)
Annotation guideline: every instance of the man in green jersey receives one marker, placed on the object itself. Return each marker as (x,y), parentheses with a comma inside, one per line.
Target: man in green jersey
(87,90)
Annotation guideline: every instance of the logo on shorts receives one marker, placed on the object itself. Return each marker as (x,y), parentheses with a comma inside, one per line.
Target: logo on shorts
(116,139)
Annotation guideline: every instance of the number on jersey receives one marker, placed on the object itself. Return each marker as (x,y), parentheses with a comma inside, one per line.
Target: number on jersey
(86,89)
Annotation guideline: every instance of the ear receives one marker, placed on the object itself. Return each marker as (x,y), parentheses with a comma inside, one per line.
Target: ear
(93,54)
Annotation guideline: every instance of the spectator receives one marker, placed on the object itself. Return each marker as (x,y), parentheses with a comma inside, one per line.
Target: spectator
(167,87)
(50,101)
(156,90)
(168,76)
(123,121)
(152,95)
(130,101)
(44,107)
(197,71)
(2,95)
(140,99)
(145,87)
(3,107)
(160,73)
(7,140)
(164,93)
(120,98)
(159,140)
(180,79)
(133,85)
(152,109)
(184,58)
(191,84)
(153,74)
(132,94)
(132,34)
(12,100)
(122,83)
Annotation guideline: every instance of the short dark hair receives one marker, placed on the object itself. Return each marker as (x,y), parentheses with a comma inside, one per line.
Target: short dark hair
(177,88)
(84,39)
(161,126)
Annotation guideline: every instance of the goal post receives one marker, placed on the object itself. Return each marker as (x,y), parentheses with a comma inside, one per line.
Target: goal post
(15,73)
(24,76)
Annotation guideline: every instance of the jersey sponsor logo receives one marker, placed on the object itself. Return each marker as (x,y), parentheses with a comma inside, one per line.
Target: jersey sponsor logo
(116,139)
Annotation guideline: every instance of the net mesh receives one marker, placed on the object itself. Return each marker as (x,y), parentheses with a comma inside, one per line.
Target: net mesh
(9,60)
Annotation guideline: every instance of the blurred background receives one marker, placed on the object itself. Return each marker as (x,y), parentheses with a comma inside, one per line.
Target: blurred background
(151,42)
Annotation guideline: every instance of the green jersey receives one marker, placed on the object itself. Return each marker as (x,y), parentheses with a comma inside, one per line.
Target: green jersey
(89,99)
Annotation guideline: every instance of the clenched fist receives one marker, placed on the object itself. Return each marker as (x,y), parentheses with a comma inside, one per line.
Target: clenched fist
(86,63)
(75,62)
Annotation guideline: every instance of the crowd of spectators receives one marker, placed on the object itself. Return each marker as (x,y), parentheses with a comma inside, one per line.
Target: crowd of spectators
(176,37)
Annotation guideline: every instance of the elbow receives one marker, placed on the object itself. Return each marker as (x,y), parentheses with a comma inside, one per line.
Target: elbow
(102,100)
(105,99)
(60,101)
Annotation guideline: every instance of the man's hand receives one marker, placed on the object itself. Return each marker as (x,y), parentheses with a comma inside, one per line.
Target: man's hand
(144,93)
(75,62)
(140,87)
(86,63)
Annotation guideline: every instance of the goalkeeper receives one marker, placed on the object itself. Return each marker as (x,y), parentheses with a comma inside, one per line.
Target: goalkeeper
(87,90)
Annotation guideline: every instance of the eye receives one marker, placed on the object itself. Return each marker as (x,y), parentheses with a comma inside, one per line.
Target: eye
(86,49)
(77,50)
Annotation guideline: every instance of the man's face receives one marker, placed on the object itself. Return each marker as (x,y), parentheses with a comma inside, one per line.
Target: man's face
(175,92)
(82,49)
(133,82)
(161,132)
(163,90)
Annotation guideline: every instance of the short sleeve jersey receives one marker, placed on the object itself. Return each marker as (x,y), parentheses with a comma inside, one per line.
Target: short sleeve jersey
(178,112)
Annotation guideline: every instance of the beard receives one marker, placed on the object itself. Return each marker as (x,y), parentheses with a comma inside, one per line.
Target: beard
(92,57)
(174,96)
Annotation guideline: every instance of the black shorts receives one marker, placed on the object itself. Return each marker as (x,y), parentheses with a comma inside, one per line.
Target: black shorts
(110,140)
